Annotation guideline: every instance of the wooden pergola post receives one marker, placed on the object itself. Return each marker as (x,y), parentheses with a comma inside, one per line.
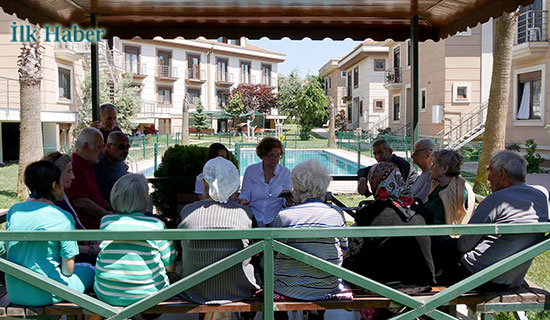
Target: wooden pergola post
(95,72)
(414,77)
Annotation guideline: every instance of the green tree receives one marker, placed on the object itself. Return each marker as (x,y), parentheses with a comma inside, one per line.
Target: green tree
(289,90)
(235,105)
(312,105)
(201,119)
(126,99)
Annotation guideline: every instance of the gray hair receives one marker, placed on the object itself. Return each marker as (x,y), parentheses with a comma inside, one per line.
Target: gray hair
(130,194)
(383,143)
(425,144)
(451,158)
(309,179)
(59,159)
(87,135)
(115,135)
(514,164)
(105,106)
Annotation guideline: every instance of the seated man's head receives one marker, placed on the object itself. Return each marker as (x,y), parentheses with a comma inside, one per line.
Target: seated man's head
(89,144)
(310,180)
(381,150)
(130,194)
(221,179)
(506,169)
(107,116)
(421,155)
(446,165)
(117,147)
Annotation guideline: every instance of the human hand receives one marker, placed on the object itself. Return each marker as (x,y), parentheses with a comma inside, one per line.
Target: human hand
(95,124)
(243,202)
(362,187)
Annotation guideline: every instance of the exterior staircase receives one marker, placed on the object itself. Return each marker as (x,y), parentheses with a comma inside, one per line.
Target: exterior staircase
(404,130)
(381,123)
(465,129)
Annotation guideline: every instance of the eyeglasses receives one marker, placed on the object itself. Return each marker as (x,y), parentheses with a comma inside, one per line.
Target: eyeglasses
(273,156)
(122,146)
(419,150)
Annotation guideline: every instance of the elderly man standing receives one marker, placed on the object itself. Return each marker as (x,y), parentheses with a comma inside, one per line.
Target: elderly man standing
(511,201)
(384,153)
(111,165)
(84,192)
(422,157)
(107,120)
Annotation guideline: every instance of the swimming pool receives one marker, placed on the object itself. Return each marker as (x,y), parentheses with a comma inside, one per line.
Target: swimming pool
(336,165)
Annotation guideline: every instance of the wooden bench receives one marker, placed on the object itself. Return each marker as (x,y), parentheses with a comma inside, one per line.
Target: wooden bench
(526,297)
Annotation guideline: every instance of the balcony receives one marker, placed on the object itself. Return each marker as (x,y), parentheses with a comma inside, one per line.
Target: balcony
(393,79)
(531,38)
(195,76)
(270,82)
(166,73)
(69,51)
(224,79)
(138,70)
(149,110)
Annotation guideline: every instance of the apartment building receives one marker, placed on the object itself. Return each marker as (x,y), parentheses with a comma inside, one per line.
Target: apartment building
(528,113)
(169,70)
(335,84)
(365,95)
(454,82)
(63,71)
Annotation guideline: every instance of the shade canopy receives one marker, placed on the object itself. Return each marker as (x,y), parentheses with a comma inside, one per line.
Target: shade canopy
(296,19)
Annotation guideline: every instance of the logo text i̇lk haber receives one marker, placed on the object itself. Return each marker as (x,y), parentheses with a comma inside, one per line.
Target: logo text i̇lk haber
(55,33)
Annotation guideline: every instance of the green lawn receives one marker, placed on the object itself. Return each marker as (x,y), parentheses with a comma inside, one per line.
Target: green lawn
(8,186)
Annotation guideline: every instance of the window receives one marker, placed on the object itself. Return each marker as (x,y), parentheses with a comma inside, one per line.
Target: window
(194,96)
(423,99)
(409,53)
(131,57)
(356,77)
(378,105)
(266,74)
(164,95)
(461,92)
(64,83)
(397,57)
(349,112)
(194,66)
(222,98)
(223,40)
(361,108)
(164,126)
(343,74)
(245,72)
(236,42)
(330,82)
(379,64)
(164,60)
(326,86)
(529,96)
(397,108)
(222,70)
(531,22)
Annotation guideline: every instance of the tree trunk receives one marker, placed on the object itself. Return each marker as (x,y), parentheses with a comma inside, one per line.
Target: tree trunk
(331,126)
(497,109)
(185,122)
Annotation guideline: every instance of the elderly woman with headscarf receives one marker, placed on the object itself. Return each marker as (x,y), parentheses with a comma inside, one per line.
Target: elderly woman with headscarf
(451,200)
(380,258)
(293,278)
(221,181)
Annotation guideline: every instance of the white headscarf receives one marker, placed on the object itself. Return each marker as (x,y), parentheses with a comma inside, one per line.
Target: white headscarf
(222,178)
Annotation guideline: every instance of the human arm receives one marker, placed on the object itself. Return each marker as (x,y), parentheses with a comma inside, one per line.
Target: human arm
(67,266)
(85,206)
(246,189)
(485,213)
(363,187)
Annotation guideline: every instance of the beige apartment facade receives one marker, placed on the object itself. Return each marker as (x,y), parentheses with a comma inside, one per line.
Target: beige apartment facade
(63,71)
(454,81)
(335,85)
(528,112)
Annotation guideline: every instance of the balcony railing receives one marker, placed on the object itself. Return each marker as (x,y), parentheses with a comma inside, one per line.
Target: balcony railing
(166,71)
(77,47)
(9,94)
(532,26)
(393,75)
(196,74)
(225,77)
(135,68)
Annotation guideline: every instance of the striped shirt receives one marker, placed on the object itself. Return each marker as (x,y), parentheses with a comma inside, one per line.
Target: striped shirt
(127,271)
(295,279)
(236,283)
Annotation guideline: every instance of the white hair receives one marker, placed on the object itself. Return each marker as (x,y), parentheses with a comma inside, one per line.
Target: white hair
(87,135)
(425,143)
(115,135)
(309,179)
(130,194)
(514,164)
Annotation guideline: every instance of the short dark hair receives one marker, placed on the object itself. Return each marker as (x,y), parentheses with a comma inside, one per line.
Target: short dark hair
(213,151)
(383,143)
(107,106)
(39,177)
(267,144)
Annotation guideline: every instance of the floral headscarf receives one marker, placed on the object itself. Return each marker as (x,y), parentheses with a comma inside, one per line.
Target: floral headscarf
(387,183)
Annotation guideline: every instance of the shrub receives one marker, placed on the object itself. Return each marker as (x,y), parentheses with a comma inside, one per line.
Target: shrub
(184,163)
(534,160)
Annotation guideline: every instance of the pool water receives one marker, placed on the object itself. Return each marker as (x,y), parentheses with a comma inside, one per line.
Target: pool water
(336,165)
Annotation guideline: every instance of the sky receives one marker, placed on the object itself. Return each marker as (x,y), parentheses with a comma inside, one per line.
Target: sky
(307,56)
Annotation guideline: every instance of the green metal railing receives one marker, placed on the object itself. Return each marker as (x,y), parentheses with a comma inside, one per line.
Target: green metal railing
(268,244)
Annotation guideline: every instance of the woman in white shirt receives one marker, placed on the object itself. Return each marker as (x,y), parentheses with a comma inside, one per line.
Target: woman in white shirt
(264,181)
(215,150)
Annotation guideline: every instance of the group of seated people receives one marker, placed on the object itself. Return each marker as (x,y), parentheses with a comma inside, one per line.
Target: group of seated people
(270,196)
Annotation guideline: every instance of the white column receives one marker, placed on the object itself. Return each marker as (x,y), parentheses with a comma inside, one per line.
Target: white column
(486,59)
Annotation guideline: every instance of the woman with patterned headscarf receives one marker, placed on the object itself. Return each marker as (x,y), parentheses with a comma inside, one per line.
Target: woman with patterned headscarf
(382,259)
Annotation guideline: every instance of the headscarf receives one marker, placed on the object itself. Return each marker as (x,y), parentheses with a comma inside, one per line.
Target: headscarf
(387,183)
(222,178)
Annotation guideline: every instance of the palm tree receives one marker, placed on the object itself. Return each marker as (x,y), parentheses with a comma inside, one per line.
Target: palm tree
(497,109)
(331,124)
(30,77)
(185,121)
